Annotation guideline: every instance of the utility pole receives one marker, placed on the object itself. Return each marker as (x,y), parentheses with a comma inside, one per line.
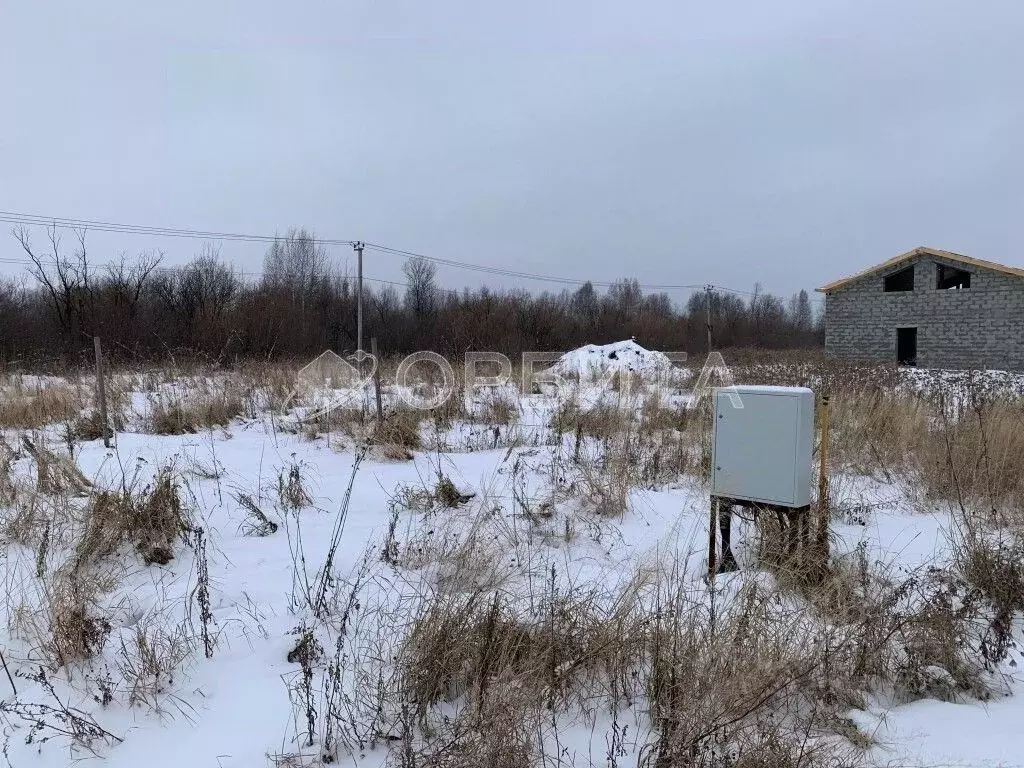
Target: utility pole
(707,292)
(358,246)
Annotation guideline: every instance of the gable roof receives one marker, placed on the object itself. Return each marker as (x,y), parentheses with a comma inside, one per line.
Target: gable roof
(922,251)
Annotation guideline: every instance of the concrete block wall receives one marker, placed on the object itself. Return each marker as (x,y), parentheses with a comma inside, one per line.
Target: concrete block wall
(977,327)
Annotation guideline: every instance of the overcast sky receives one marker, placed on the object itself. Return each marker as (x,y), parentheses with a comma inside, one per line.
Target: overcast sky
(786,143)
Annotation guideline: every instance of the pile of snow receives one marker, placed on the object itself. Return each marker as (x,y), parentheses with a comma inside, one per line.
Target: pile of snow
(595,361)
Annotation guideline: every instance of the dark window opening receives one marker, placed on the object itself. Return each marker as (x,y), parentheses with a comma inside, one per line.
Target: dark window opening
(906,346)
(951,278)
(900,281)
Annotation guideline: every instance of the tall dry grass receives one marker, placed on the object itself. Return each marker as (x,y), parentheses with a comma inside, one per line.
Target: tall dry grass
(34,408)
(748,678)
(190,414)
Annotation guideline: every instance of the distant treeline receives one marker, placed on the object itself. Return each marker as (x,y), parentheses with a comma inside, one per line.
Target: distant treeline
(302,303)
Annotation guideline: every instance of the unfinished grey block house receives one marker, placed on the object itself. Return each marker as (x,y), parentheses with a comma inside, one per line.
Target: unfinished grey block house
(931,308)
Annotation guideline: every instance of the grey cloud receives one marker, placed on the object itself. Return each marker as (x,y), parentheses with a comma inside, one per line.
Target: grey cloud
(782,143)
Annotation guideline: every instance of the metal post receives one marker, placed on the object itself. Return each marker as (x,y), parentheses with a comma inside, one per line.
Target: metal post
(823,514)
(101,392)
(358,246)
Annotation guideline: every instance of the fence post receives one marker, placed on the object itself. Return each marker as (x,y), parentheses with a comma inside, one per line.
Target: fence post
(823,513)
(376,378)
(712,533)
(101,392)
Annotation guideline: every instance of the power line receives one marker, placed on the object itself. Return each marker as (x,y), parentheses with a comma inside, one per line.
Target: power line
(13,217)
(28,219)
(183,267)
(511,272)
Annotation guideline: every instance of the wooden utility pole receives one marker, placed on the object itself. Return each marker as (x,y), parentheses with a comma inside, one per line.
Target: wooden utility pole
(101,392)
(376,378)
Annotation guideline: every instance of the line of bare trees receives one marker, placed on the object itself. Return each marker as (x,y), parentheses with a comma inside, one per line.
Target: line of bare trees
(303,303)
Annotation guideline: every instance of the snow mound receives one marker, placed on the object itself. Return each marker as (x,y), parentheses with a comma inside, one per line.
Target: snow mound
(594,361)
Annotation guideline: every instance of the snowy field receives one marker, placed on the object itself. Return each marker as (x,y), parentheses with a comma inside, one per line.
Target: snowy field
(515,579)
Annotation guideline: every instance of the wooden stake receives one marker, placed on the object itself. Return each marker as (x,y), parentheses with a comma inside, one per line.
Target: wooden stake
(376,378)
(9,678)
(712,526)
(823,515)
(101,392)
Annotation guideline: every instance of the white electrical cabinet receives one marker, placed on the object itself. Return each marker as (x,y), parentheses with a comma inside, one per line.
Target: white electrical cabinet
(762,443)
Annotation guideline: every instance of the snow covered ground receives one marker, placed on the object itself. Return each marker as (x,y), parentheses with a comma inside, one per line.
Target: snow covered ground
(235,705)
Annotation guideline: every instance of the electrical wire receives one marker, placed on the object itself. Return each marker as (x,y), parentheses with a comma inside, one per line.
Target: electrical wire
(64,222)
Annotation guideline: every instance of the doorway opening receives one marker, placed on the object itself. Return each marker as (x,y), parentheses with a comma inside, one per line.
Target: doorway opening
(906,346)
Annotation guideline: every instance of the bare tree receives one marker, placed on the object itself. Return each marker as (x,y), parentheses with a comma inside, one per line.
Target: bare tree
(800,312)
(122,291)
(302,305)
(296,264)
(420,292)
(66,280)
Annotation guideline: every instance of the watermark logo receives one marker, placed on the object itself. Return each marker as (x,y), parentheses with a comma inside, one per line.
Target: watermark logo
(331,381)
(426,380)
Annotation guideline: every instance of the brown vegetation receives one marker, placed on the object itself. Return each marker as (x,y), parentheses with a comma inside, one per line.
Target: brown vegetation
(303,304)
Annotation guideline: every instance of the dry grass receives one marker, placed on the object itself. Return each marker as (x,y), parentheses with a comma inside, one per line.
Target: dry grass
(875,432)
(399,434)
(25,519)
(56,474)
(477,647)
(171,417)
(765,673)
(493,646)
(152,520)
(657,416)
(603,484)
(291,488)
(176,416)
(977,458)
(601,421)
(78,629)
(25,410)
(89,425)
(272,384)
(447,495)
(754,683)
(149,660)
(394,438)
(61,612)
(8,489)
(256,522)
(451,410)
(497,409)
